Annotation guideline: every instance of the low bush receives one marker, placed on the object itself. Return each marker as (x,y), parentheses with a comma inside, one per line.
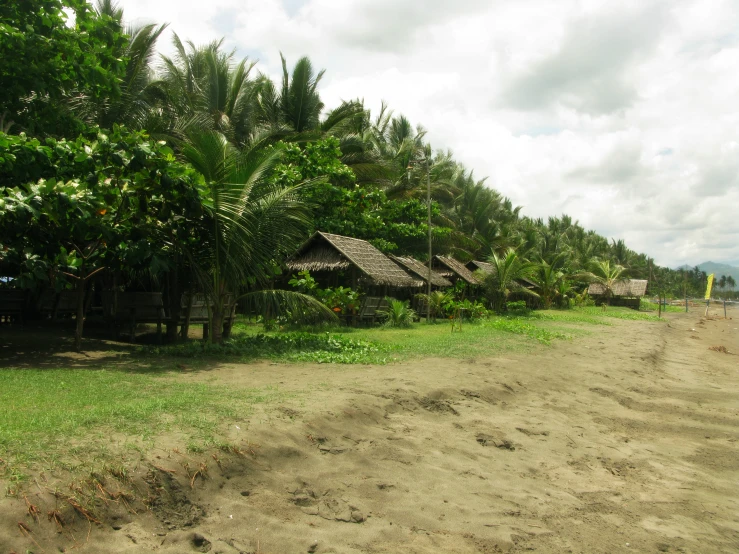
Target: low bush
(517,308)
(397,314)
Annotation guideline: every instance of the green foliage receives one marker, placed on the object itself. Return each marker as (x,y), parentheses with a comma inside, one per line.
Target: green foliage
(290,346)
(305,283)
(508,270)
(113,199)
(619,313)
(522,326)
(517,308)
(438,301)
(397,314)
(341,300)
(647,306)
(342,207)
(317,159)
(42,57)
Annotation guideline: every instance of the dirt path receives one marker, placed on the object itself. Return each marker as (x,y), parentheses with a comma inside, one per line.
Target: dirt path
(621,441)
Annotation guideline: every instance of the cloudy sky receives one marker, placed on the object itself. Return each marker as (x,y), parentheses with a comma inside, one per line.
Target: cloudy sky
(623,115)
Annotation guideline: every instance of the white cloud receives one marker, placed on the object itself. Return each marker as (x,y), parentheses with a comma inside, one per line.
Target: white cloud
(622,115)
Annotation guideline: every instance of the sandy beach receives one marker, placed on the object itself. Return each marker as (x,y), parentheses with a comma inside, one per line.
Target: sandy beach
(622,440)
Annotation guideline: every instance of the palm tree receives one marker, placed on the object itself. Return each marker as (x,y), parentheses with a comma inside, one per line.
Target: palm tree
(605,274)
(207,89)
(249,225)
(508,270)
(722,282)
(297,105)
(436,302)
(551,280)
(730,282)
(135,105)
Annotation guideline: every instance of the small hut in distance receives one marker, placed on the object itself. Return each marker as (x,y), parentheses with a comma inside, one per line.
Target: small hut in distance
(335,260)
(625,292)
(453,270)
(421,271)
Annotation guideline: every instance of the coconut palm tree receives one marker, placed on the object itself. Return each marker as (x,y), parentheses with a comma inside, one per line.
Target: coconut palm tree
(551,279)
(436,302)
(206,88)
(297,106)
(135,106)
(508,269)
(605,274)
(249,225)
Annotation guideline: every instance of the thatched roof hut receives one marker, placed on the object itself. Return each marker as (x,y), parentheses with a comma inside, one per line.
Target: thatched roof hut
(624,288)
(476,265)
(327,252)
(417,269)
(451,268)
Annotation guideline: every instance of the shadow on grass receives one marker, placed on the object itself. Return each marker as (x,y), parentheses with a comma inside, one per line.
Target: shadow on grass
(47,345)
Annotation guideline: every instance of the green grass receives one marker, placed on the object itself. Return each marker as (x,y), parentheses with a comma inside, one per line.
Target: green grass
(50,415)
(617,313)
(653,306)
(382,344)
(297,346)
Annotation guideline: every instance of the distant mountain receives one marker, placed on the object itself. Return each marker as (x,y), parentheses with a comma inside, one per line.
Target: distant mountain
(720,269)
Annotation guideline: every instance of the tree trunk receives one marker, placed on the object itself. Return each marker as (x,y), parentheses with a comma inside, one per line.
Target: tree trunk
(227,320)
(185,332)
(217,329)
(175,304)
(80,314)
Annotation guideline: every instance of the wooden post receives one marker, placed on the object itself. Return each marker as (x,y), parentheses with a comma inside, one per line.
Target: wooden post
(686,303)
(724,308)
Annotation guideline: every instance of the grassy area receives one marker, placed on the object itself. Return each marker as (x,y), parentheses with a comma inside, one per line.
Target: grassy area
(373,345)
(653,306)
(80,418)
(49,415)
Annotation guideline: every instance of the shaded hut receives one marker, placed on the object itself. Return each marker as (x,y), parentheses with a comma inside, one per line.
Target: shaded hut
(625,292)
(453,270)
(335,260)
(421,271)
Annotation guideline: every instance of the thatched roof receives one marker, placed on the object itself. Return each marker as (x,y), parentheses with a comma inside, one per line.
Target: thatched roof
(327,252)
(624,287)
(417,269)
(458,269)
(485,267)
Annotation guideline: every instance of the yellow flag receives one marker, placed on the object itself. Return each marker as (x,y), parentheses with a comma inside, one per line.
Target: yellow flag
(709,286)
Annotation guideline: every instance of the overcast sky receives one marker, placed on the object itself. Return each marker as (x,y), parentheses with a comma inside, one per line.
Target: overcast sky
(623,115)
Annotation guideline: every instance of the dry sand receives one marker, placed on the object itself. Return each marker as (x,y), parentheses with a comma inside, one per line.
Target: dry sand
(624,440)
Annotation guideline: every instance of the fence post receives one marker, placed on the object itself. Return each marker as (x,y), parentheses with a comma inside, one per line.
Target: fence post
(686,303)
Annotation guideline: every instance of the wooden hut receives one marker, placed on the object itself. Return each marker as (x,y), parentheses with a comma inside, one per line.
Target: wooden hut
(335,260)
(453,270)
(421,271)
(625,292)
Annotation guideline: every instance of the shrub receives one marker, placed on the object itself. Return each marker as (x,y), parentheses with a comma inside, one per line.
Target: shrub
(517,308)
(397,314)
